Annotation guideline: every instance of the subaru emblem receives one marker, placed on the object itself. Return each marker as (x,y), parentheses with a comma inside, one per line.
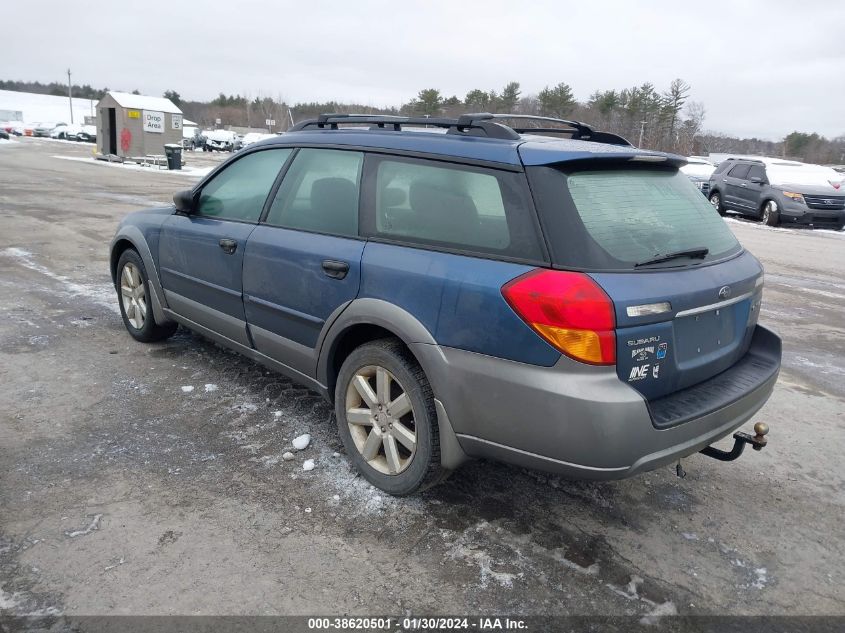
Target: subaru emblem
(724,292)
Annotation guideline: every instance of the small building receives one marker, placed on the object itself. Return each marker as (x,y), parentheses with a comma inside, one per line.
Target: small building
(130,125)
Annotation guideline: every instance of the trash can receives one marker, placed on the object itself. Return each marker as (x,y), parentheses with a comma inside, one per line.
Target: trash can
(174,155)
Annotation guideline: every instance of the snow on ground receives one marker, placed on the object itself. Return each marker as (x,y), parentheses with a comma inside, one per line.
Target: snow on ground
(38,108)
(784,229)
(192,172)
(103,295)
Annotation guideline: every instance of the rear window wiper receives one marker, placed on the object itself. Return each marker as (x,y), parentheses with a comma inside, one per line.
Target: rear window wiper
(695,253)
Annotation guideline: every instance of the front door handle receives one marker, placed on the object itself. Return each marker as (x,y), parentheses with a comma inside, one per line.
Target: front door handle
(229,246)
(335,269)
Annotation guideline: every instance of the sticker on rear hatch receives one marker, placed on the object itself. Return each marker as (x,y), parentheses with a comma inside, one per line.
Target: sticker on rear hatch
(641,372)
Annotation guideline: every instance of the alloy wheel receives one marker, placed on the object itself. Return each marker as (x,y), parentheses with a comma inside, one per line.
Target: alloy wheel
(381,420)
(133,295)
(768,210)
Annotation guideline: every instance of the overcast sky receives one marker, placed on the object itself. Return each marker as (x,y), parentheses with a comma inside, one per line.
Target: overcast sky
(761,68)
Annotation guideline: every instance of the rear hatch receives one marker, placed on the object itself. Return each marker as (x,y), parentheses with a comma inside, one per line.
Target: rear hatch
(686,296)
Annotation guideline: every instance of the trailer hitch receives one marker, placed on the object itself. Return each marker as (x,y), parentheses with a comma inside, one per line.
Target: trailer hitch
(757,442)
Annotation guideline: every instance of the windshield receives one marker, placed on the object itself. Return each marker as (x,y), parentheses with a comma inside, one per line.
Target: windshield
(628,216)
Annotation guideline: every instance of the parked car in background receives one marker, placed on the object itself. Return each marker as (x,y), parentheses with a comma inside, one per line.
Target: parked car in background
(221,141)
(699,170)
(43,129)
(14,128)
(88,134)
(254,137)
(433,287)
(65,132)
(4,134)
(778,191)
(192,137)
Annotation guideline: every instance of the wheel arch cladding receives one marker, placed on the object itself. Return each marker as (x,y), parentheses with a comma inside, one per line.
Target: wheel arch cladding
(117,250)
(358,328)
(132,237)
(362,321)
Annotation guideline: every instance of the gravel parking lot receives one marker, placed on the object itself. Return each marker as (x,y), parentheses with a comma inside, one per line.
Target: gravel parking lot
(149,478)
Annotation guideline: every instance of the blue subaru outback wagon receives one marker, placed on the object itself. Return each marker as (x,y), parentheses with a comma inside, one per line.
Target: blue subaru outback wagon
(547,296)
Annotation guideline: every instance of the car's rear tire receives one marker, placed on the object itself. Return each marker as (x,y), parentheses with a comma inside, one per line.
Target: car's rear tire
(770,215)
(716,201)
(133,292)
(386,418)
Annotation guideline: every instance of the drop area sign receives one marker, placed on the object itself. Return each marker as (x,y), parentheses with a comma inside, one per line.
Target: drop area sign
(153,121)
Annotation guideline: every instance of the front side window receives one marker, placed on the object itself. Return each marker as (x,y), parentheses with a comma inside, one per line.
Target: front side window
(453,206)
(757,171)
(241,189)
(320,193)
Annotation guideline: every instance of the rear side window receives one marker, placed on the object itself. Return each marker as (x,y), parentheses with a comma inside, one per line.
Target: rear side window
(453,206)
(240,190)
(612,219)
(739,171)
(320,193)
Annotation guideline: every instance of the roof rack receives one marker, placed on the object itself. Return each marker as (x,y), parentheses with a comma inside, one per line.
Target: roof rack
(475,124)
(486,128)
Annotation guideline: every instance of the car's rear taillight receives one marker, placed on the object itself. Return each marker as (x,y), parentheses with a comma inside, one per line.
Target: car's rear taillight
(569,310)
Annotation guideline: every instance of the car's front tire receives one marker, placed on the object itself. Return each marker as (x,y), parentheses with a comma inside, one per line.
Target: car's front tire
(716,201)
(386,418)
(133,292)
(771,214)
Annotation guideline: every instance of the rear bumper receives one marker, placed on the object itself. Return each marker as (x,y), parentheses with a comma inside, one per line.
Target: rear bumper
(577,420)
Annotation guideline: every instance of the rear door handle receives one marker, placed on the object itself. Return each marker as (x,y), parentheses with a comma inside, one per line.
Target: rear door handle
(229,246)
(335,269)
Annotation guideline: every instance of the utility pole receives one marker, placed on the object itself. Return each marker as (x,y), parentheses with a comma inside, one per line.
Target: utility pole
(70,95)
(642,131)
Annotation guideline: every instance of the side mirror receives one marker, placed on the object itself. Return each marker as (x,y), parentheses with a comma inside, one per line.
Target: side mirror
(756,180)
(184,201)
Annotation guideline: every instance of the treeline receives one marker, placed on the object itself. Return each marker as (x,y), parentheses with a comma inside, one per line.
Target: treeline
(663,119)
(54,88)
(659,120)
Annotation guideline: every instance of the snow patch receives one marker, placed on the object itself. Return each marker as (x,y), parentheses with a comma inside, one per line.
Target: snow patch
(92,527)
(652,618)
(210,387)
(187,388)
(15,604)
(762,578)
(190,172)
(103,295)
(308,464)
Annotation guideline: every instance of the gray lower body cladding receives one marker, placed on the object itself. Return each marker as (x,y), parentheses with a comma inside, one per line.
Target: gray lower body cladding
(574,419)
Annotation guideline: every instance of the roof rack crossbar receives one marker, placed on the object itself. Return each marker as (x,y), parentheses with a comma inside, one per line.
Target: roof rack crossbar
(381,121)
(583,130)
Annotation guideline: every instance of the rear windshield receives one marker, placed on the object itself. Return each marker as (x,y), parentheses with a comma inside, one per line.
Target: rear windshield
(612,219)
